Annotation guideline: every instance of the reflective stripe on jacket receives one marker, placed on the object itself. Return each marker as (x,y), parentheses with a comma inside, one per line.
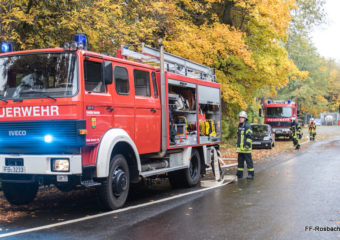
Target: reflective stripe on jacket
(312,127)
(295,129)
(244,138)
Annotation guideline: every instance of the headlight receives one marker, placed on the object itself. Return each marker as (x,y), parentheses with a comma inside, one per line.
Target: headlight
(266,138)
(60,165)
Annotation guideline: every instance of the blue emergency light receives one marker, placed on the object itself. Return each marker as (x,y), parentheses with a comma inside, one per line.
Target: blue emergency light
(48,138)
(269,102)
(81,40)
(6,47)
(289,101)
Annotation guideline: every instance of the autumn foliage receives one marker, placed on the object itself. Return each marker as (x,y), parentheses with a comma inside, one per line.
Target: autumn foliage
(243,40)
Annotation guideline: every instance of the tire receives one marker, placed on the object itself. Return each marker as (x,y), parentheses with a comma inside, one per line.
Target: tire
(20,193)
(189,177)
(115,189)
(270,146)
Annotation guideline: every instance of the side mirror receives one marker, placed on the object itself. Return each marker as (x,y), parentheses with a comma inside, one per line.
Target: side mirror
(260,112)
(107,73)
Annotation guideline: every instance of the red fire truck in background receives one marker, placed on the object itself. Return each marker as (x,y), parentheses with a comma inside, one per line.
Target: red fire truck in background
(76,118)
(279,115)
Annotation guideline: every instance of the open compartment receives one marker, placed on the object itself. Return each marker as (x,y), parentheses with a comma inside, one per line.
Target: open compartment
(209,116)
(182,113)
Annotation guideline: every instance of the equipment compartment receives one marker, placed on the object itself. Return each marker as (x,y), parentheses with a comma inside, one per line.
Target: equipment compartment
(182,113)
(209,116)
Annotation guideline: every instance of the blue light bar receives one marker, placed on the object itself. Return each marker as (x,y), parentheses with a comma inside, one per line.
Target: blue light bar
(6,47)
(289,101)
(48,139)
(269,102)
(81,40)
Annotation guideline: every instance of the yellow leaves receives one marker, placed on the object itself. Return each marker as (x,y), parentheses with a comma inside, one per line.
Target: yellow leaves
(206,43)
(247,59)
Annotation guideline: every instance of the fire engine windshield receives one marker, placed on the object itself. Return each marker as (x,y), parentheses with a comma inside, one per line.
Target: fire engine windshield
(38,75)
(279,112)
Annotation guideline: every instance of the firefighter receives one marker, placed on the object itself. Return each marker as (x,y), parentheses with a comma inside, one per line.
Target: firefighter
(312,129)
(296,133)
(244,146)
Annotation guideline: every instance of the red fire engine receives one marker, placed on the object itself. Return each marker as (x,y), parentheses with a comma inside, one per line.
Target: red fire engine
(279,115)
(73,118)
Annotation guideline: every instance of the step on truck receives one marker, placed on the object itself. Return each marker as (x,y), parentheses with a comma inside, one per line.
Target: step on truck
(78,119)
(279,114)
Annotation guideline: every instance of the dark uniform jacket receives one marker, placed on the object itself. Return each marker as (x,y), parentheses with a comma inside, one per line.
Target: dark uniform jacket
(295,129)
(244,138)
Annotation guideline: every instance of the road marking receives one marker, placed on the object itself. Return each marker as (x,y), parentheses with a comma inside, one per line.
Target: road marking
(53,225)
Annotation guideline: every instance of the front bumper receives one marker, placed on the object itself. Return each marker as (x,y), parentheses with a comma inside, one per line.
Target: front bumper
(261,144)
(39,164)
(282,132)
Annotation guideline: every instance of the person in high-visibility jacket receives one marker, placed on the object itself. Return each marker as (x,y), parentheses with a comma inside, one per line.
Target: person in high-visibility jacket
(296,133)
(312,129)
(244,146)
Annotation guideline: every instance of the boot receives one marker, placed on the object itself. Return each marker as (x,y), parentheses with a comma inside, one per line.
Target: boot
(250,176)
(297,147)
(239,174)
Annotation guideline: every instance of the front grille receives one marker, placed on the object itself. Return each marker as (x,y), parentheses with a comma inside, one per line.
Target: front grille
(29,136)
(279,124)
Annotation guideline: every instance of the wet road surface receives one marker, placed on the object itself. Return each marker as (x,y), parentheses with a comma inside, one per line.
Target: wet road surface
(288,195)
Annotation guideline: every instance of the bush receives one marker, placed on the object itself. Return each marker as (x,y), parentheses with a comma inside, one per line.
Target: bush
(229,129)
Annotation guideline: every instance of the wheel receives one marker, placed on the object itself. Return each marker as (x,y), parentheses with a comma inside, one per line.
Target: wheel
(188,177)
(270,146)
(114,190)
(19,193)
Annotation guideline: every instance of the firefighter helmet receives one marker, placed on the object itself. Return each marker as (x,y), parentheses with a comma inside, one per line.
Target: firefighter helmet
(243,114)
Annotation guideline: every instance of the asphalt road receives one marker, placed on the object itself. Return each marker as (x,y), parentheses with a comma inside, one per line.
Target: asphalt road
(290,194)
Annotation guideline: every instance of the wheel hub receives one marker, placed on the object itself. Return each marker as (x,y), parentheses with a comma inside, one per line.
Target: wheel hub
(119,181)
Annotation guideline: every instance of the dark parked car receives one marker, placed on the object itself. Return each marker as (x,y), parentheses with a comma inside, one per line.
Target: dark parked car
(263,136)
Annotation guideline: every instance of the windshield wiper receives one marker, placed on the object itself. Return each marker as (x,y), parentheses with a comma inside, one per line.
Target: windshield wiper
(48,96)
(42,93)
(4,100)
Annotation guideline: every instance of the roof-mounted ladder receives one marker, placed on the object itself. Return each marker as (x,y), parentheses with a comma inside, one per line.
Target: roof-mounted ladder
(172,63)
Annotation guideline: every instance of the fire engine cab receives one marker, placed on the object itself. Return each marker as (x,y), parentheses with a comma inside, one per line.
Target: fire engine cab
(279,115)
(76,118)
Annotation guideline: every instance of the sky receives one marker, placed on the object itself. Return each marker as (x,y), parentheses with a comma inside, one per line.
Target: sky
(326,38)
